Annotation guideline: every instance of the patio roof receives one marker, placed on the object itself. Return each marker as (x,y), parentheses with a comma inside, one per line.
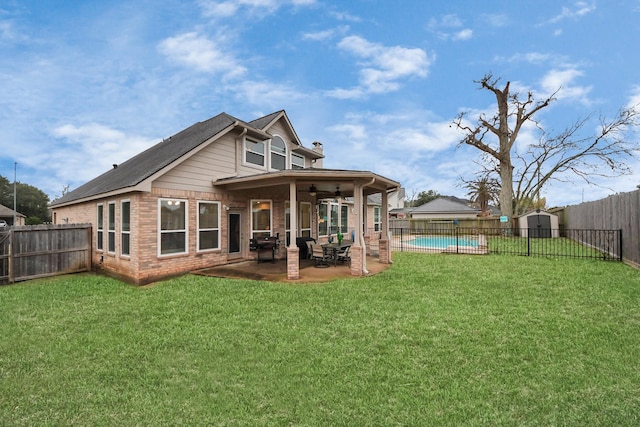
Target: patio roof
(326,181)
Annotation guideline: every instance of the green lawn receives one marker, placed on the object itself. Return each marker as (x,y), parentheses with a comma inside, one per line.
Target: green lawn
(435,340)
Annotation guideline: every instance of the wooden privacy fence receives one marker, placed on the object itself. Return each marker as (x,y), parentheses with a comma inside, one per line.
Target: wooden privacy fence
(37,251)
(620,211)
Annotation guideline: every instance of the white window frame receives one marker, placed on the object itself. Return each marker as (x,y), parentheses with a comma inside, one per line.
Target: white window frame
(265,232)
(333,208)
(247,150)
(377,225)
(111,232)
(297,165)
(305,231)
(274,151)
(124,232)
(200,229)
(185,230)
(100,227)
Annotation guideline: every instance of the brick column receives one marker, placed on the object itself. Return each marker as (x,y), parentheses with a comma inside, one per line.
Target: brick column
(293,263)
(357,253)
(385,251)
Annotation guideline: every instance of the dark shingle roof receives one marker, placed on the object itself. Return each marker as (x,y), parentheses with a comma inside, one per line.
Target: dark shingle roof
(444,205)
(142,166)
(264,121)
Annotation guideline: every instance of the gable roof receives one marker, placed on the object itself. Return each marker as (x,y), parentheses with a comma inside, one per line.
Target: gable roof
(8,212)
(144,165)
(444,205)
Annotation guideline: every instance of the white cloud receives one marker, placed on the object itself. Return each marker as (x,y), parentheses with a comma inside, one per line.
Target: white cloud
(382,66)
(325,34)
(94,144)
(260,8)
(465,34)
(200,53)
(448,27)
(267,93)
(563,79)
(634,98)
(579,9)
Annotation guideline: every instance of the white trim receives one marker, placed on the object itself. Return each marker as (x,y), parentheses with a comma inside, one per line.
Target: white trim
(177,230)
(246,150)
(284,155)
(253,229)
(115,227)
(123,232)
(99,228)
(198,229)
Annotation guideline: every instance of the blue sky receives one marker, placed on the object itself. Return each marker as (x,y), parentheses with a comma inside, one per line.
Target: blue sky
(85,84)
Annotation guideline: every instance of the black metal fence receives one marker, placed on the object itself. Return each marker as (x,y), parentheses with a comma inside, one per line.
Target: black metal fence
(544,242)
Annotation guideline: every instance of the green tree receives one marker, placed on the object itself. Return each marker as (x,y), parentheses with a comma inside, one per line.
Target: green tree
(32,202)
(482,192)
(423,197)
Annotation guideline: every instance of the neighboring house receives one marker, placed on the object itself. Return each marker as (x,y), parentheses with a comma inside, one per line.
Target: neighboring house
(8,214)
(445,208)
(196,199)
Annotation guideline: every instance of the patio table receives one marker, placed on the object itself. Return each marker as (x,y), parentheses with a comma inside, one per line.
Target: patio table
(333,248)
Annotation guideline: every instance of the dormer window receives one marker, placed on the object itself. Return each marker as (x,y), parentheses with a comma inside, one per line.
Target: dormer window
(278,153)
(254,152)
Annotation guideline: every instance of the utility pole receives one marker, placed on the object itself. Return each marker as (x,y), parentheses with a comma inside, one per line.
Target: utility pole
(15,197)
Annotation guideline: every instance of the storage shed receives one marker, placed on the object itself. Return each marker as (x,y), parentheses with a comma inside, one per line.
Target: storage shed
(539,224)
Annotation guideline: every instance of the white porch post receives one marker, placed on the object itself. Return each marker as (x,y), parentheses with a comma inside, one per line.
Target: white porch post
(385,238)
(359,256)
(385,216)
(293,252)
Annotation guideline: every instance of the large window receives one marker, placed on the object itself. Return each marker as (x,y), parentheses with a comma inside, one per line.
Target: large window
(100,228)
(278,153)
(111,228)
(254,152)
(304,220)
(297,161)
(173,227)
(208,226)
(344,219)
(125,228)
(260,218)
(332,217)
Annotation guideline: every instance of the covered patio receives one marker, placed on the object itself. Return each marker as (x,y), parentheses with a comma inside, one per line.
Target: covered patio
(318,184)
(277,271)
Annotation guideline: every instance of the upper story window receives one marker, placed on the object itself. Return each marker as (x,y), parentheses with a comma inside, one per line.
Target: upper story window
(297,161)
(278,153)
(254,152)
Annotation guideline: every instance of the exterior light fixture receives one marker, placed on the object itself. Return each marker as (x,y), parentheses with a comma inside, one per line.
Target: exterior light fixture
(312,190)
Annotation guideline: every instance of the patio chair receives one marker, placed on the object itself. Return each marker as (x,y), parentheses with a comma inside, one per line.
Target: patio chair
(309,248)
(320,256)
(343,254)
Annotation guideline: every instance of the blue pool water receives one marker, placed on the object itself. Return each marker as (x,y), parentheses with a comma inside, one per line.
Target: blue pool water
(439,242)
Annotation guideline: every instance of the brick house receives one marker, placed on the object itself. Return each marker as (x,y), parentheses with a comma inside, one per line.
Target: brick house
(196,199)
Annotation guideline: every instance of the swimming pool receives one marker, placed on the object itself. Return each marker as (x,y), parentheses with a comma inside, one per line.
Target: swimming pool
(443,242)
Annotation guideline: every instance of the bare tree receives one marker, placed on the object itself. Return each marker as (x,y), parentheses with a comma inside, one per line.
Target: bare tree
(553,156)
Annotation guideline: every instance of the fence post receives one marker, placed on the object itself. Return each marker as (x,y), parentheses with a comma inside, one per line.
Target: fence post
(457,241)
(620,244)
(529,241)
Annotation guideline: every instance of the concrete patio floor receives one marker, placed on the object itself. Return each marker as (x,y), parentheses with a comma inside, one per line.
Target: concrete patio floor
(276,271)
